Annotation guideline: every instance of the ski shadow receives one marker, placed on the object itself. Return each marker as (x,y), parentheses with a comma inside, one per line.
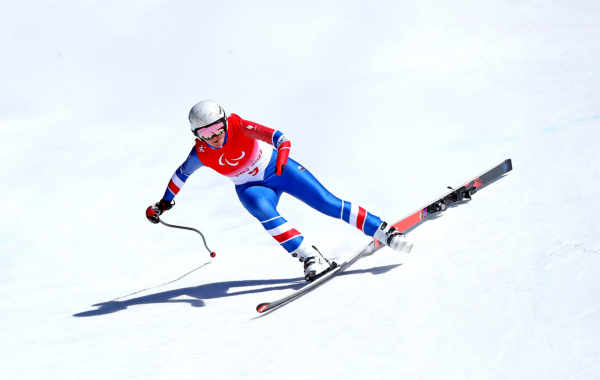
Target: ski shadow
(197,294)
(373,271)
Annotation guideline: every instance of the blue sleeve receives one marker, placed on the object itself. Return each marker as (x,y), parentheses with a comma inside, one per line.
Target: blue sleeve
(278,138)
(189,166)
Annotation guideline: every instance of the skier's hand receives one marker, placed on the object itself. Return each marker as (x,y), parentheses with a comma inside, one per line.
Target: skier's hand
(283,152)
(153,213)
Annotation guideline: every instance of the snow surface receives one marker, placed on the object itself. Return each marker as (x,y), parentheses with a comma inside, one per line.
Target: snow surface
(387,103)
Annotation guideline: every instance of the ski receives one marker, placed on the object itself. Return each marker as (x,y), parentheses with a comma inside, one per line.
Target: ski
(458,194)
(269,306)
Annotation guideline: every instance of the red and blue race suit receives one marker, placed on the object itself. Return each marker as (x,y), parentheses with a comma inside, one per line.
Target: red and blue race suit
(248,160)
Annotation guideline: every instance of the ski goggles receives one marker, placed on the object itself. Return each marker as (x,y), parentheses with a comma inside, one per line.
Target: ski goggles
(208,132)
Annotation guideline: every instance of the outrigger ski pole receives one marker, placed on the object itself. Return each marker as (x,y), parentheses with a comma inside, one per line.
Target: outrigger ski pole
(212,254)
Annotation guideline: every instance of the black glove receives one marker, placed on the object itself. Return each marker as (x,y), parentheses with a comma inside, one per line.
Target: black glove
(153,212)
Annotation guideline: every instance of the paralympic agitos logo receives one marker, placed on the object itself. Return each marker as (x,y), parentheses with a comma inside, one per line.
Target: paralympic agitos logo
(229,163)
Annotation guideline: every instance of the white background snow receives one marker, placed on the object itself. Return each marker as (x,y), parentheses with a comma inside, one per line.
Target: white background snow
(387,103)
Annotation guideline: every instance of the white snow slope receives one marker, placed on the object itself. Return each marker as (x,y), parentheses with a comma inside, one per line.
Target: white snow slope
(387,103)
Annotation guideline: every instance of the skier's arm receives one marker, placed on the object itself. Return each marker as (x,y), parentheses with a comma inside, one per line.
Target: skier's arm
(270,136)
(189,166)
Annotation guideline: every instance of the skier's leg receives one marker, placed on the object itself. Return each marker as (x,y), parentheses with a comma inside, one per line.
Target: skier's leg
(300,183)
(262,202)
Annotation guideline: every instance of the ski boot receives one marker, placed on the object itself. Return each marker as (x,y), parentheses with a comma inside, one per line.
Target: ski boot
(392,238)
(315,265)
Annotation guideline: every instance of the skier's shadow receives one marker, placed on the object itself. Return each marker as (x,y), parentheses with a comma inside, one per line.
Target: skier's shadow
(200,293)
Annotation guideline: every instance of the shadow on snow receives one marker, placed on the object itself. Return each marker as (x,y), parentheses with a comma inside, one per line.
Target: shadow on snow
(214,290)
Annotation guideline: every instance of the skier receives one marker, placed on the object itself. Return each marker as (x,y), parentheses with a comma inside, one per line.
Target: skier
(239,149)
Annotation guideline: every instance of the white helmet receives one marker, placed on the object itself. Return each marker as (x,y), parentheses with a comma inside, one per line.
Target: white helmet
(205,114)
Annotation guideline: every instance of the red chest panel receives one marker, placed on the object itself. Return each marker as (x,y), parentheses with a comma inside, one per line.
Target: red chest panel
(233,158)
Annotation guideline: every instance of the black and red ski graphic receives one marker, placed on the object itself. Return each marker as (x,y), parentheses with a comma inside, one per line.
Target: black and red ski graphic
(454,195)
